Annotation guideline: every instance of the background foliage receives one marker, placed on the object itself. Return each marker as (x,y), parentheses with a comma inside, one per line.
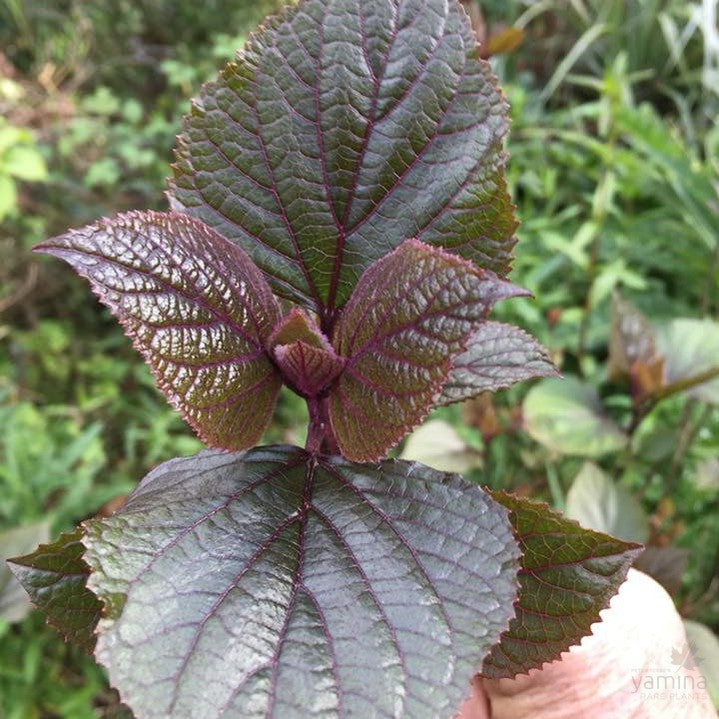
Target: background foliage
(614,168)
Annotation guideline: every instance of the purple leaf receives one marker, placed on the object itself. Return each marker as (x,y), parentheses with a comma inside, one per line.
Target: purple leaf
(411,313)
(343,128)
(298,326)
(497,356)
(568,576)
(308,370)
(197,309)
(304,356)
(54,576)
(278,584)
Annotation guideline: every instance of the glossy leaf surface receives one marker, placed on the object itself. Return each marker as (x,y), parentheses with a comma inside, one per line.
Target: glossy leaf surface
(304,356)
(566,415)
(308,369)
(497,356)
(298,326)
(197,309)
(411,313)
(271,584)
(343,128)
(54,576)
(568,576)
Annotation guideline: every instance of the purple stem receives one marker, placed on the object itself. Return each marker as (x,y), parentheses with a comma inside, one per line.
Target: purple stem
(320,438)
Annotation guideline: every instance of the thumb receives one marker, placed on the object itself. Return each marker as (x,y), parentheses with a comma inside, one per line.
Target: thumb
(633,665)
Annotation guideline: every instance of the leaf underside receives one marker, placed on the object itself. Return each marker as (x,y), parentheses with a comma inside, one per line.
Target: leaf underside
(568,576)
(54,576)
(275,584)
(196,308)
(343,128)
(497,356)
(411,313)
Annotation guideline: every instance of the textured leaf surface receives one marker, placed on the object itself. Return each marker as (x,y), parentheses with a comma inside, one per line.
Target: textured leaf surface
(197,309)
(54,576)
(298,326)
(14,602)
(307,369)
(566,415)
(411,313)
(497,356)
(343,128)
(691,347)
(304,356)
(568,576)
(271,584)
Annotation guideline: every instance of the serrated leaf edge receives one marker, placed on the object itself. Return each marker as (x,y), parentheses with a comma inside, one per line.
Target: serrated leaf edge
(77,533)
(633,551)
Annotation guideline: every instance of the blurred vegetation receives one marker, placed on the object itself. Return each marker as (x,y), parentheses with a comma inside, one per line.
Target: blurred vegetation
(615,171)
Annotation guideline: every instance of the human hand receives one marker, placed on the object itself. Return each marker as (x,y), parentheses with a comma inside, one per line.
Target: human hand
(624,670)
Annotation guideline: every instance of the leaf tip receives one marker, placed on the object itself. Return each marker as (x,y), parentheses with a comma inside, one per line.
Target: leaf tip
(552,543)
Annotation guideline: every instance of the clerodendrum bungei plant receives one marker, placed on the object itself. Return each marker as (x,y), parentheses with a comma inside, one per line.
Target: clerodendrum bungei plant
(340,223)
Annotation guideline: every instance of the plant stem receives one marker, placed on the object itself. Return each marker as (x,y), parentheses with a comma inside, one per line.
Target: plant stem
(686,383)
(320,439)
(642,410)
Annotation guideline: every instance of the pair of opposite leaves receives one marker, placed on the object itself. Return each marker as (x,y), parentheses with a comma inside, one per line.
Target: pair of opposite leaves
(413,334)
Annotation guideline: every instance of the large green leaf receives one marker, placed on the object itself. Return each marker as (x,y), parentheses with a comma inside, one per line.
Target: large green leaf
(25,163)
(54,576)
(197,309)
(691,348)
(597,502)
(438,444)
(566,415)
(342,129)
(568,576)
(410,315)
(279,584)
